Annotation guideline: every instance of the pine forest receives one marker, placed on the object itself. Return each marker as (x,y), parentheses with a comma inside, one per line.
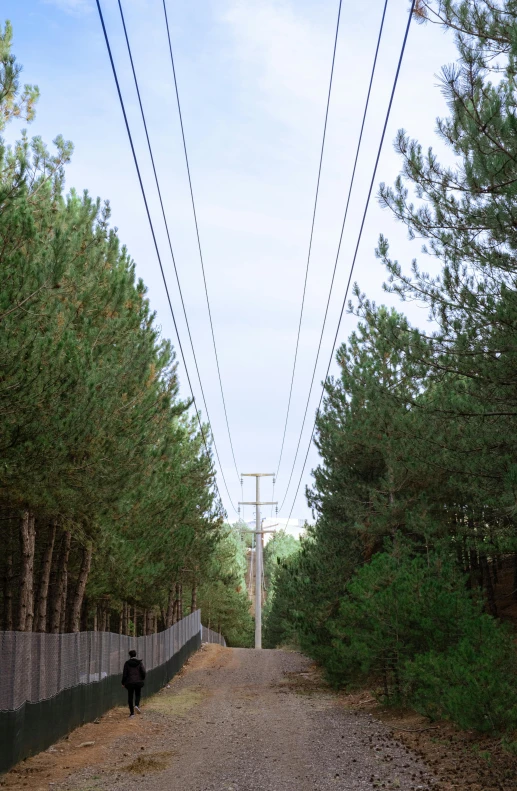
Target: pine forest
(110,516)
(409,576)
(406,581)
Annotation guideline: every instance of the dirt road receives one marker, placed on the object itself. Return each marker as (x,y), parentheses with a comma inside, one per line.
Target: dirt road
(243,720)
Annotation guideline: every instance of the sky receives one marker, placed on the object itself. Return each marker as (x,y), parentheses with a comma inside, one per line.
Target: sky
(253,80)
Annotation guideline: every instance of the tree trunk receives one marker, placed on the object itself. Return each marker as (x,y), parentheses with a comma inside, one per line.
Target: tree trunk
(170,603)
(476,572)
(8,581)
(64,601)
(27,544)
(103,615)
(59,598)
(515,576)
(81,587)
(179,599)
(64,596)
(193,601)
(84,615)
(95,620)
(42,597)
(144,623)
(487,579)
(29,623)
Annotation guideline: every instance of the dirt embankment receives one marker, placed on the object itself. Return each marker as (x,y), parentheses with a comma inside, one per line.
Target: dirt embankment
(243,720)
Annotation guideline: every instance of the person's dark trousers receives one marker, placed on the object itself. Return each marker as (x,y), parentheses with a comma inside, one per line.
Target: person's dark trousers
(133,690)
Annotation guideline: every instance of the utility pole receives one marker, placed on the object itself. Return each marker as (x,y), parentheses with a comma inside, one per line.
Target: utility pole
(258,551)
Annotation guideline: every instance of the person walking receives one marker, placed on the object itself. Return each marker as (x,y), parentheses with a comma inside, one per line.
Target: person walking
(133,677)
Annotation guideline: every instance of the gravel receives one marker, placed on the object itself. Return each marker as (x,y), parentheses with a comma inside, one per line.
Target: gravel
(234,722)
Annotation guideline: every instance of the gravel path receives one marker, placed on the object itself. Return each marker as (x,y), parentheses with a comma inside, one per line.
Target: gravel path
(234,721)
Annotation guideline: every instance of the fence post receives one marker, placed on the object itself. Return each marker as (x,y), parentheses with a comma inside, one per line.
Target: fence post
(14,706)
(89,656)
(100,653)
(41,664)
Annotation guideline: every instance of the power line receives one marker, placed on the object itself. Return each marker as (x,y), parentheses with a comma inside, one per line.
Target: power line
(198,237)
(170,245)
(358,243)
(167,231)
(352,181)
(157,249)
(311,235)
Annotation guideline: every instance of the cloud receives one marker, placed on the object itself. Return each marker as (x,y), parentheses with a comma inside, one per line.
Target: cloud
(287,54)
(73,7)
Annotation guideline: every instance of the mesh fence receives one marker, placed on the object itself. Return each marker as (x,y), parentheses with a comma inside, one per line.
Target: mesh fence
(209,636)
(36,667)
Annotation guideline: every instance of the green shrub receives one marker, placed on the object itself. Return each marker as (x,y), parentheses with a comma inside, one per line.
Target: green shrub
(410,622)
(474,683)
(396,607)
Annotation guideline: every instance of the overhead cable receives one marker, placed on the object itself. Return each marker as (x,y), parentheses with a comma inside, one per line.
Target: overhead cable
(168,233)
(198,237)
(135,159)
(352,181)
(388,112)
(310,238)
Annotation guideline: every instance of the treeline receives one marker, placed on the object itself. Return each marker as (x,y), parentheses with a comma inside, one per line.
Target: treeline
(409,579)
(108,507)
(278,549)
(223,598)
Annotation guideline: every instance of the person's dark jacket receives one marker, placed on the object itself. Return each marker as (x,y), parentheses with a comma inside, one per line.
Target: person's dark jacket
(134,672)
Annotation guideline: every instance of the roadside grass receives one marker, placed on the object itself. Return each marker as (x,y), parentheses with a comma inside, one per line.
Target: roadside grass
(172,703)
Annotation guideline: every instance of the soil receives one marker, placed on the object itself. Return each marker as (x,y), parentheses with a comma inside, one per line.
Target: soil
(244,720)
(461,760)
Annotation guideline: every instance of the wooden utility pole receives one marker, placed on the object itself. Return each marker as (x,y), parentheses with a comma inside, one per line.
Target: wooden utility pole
(258,551)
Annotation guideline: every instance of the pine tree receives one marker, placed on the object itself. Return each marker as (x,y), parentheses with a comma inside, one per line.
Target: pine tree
(107,491)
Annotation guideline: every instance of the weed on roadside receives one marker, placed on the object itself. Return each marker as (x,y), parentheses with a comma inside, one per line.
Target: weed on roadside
(148,763)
